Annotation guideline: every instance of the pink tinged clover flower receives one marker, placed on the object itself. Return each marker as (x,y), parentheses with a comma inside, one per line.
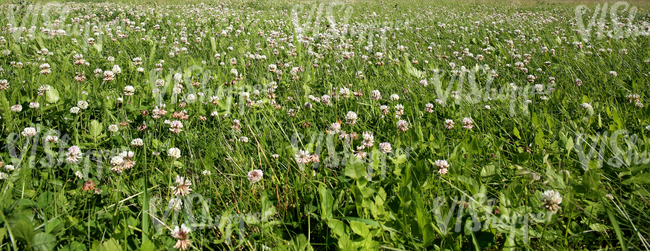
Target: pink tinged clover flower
(73,155)
(255,176)
(182,187)
(182,237)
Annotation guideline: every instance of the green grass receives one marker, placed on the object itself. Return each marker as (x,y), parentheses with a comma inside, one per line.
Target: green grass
(499,173)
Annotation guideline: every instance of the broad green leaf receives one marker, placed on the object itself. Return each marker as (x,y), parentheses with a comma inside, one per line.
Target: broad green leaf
(148,246)
(326,202)
(488,170)
(539,138)
(569,144)
(515,132)
(346,244)
(301,243)
(54,226)
(95,128)
(337,227)
(52,96)
(23,230)
(3,231)
(110,245)
(43,242)
(599,227)
(535,120)
(617,119)
(399,159)
(359,228)
(355,169)
(643,178)
(267,206)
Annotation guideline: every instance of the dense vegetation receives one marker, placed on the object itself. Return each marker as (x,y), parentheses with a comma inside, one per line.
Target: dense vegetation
(356,125)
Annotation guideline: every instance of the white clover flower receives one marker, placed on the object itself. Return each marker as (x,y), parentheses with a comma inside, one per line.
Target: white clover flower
(178,77)
(344,92)
(394,97)
(4,84)
(174,153)
(468,123)
(552,200)
(375,95)
(182,187)
(117,69)
(113,128)
(428,107)
(336,127)
(449,124)
(206,173)
(255,176)
(74,110)
(303,157)
(34,105)
(129,90)
(368,139)
(109,75)
(16,108)
(137,142)
(29,132)
(399,110)
(385,147)
(326,99)
(73,155)
(351,118)
(402,125)
(117,160)
(182,237)
(441,163)
(82,104)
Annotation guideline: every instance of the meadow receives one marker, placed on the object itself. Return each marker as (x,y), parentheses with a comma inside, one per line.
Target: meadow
(310,125)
